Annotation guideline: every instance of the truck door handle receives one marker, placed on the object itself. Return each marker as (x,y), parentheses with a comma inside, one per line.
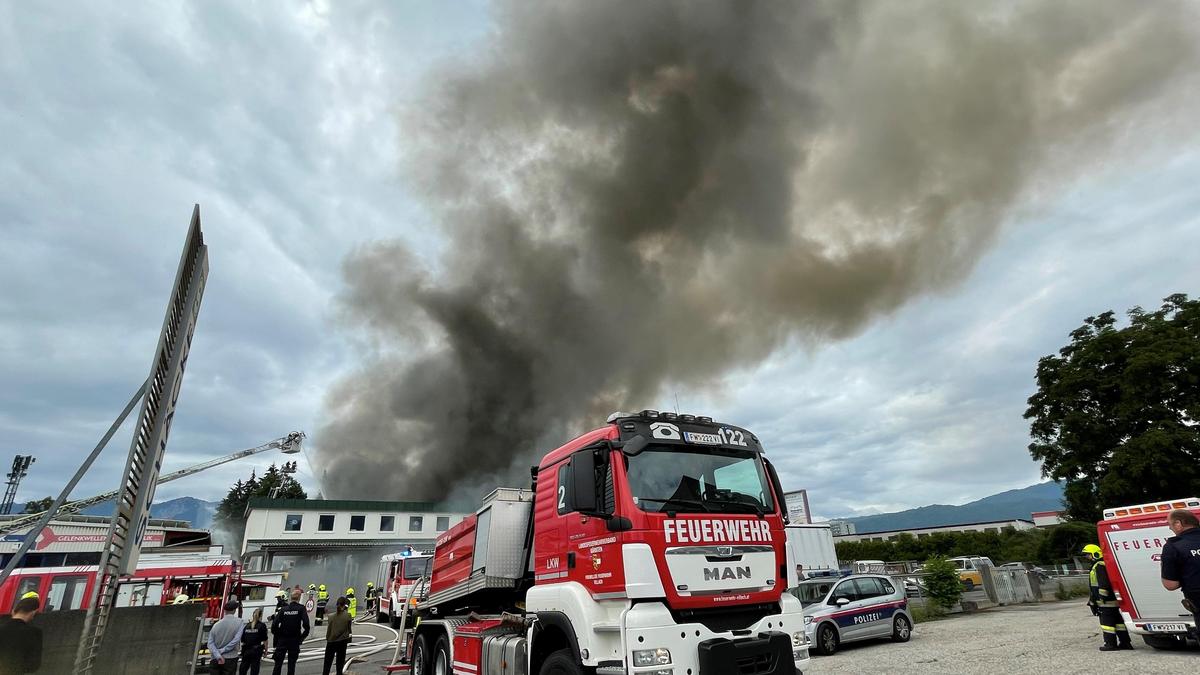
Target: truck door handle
(571,560)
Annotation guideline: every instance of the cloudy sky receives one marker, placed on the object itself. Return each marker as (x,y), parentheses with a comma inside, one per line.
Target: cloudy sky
(280,120)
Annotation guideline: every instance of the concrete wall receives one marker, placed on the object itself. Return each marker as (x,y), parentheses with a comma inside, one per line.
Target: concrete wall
(139,640)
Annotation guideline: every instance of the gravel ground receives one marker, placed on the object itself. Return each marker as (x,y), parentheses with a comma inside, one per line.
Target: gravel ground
(1058,638)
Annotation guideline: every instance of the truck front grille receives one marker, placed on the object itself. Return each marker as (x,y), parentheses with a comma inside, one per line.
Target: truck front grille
(725,619)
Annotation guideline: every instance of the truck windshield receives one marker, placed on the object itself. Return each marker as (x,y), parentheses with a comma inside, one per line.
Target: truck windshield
(699,480)
(415,568)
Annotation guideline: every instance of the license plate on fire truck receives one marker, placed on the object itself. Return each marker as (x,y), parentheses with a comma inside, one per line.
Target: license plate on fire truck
(1167,627)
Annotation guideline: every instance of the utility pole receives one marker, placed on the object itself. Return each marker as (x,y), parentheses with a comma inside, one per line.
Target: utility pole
(20,469)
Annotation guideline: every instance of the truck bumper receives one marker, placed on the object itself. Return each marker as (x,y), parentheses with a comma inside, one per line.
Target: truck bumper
(775,645)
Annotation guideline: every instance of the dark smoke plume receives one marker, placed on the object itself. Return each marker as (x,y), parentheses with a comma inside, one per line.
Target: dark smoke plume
(643,194)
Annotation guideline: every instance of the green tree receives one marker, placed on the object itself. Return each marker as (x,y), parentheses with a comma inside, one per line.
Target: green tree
(1066,540)
(231,512)
(942,582)
(1115,413)
(38,505)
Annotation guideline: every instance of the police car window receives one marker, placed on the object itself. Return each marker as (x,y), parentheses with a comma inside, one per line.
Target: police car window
(868,587)
(888,588)
(845,590)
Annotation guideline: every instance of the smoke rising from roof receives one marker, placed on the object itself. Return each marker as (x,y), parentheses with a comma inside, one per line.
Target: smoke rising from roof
(641,195)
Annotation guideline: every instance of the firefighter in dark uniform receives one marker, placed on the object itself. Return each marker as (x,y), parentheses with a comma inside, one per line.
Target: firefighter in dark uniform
(1104,604)
(372,594)
(1181,560)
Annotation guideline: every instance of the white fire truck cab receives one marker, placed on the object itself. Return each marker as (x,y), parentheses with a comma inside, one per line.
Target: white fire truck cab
(398,574)
(654,545)
(1132,539)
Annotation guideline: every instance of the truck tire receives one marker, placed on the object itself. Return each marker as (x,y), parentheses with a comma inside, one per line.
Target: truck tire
(901,629)
(1165,642)
(827,640)
(420,655)
(561,662)
(441,657)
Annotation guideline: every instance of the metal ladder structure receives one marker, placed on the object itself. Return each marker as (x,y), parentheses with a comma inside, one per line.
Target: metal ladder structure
(136,491)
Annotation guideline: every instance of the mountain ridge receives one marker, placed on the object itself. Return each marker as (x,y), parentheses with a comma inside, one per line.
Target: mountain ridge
(1007,505)
(198,512)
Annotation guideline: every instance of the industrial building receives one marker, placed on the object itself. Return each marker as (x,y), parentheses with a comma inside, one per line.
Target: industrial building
(922,532)
(336,542)
(79,539)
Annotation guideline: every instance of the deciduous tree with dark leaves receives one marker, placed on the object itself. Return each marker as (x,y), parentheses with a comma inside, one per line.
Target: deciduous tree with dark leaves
(1117,411)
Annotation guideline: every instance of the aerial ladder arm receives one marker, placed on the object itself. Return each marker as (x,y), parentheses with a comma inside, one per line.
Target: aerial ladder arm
(289,445)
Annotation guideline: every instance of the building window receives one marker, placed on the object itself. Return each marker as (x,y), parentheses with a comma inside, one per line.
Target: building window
(387,523)
(358,523)
(325,523)
(292,522)
(416,523)
(443,523)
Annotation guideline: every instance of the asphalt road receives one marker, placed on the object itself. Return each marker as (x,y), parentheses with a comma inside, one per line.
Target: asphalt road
(368,638)
(1051,638)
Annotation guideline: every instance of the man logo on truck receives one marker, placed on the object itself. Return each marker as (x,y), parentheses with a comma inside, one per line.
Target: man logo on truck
(720,574)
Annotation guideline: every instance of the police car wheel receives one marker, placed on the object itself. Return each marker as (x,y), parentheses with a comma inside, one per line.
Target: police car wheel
(901,629)
(827,640)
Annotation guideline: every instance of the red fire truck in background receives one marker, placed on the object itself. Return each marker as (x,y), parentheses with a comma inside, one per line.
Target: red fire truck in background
(1132,539)
(206,577)
(653,545)
(398,573)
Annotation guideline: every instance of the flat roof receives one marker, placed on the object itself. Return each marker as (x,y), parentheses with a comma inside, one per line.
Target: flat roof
(341,505)
(939,527)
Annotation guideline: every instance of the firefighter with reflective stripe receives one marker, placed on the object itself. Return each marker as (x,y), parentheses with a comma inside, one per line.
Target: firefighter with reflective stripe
(353,602)
(372,596)
(322,601)
(1104,604)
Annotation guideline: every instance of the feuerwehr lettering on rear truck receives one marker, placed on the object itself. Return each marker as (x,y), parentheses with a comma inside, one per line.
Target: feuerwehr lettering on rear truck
(714,531)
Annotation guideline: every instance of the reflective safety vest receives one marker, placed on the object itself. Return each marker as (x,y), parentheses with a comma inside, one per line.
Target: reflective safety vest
(1100,586)
(353,605)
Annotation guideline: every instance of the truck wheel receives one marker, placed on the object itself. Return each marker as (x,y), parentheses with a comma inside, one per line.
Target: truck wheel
(420,655)
(901,629)
(441,657)
(827,640)
(561,662)
(1167,642)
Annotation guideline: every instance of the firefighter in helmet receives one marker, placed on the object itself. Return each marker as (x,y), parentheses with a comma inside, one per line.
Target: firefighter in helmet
(372,596)
(322,601)
(1104,603)
(353,602)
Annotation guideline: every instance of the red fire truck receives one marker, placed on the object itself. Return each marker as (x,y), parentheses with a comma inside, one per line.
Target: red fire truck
(1132,539)
(206,577)
(398,573)
(653,545)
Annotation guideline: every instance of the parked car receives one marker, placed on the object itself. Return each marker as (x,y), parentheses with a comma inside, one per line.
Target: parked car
(1028,567)
(968,567)
(857,607)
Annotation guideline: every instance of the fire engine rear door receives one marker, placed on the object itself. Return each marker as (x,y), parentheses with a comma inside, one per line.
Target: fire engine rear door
(1137,553)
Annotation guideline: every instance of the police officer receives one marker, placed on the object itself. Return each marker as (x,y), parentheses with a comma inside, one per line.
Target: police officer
(1104,604)
(322,601)
(353,602)
(290,627)
(1181,559)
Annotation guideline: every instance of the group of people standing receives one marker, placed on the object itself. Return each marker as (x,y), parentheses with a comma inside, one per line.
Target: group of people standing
(231,640)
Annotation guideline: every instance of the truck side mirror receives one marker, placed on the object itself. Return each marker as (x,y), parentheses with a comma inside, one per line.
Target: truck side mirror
(584,497)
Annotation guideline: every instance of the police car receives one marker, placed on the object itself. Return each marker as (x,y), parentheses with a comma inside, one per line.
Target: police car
(856,607)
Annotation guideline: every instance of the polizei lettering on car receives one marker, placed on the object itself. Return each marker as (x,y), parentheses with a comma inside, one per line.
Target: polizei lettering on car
(716,531)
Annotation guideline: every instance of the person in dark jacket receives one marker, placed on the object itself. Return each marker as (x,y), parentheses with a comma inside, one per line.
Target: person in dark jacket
(254,644)
(1181,560)
(21,643)
(1104,604)
(289,627)
(337,637)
